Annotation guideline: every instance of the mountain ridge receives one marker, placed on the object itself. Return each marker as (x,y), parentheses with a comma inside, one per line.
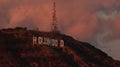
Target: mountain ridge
(17,50)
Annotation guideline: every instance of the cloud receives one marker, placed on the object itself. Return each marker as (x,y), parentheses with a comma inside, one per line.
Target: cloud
(106,15)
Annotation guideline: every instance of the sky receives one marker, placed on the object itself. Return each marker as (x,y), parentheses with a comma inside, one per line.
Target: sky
(92,21)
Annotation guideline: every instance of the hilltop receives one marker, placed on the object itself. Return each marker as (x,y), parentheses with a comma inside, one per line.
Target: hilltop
(17,50)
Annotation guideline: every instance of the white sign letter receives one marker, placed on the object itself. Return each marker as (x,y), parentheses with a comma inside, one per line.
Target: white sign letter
(56,43)
(61,43)
(40,40)
(34,40)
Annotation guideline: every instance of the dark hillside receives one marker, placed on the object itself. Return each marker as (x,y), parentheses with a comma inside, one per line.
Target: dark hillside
(17,50)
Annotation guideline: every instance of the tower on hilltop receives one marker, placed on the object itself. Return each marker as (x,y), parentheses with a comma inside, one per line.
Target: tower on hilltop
(54,28)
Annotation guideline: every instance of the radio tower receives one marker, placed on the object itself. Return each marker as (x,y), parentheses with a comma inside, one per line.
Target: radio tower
(54,27)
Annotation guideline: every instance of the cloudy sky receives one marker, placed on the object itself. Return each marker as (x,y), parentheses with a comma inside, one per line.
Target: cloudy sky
(93,21)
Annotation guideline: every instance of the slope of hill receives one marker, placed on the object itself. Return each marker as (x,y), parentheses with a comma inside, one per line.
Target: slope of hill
(17,50)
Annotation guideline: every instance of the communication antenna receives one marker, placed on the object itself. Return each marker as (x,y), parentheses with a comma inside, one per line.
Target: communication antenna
(54,27)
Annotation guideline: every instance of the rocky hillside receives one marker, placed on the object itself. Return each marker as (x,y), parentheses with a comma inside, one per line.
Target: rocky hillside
(17,50)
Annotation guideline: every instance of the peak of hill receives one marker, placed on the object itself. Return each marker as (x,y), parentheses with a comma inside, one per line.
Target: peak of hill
(17,50)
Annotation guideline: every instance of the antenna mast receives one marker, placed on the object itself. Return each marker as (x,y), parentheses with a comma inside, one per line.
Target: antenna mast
(54,28)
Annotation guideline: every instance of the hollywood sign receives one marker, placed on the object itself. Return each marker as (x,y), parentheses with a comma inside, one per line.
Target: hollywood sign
(47,41)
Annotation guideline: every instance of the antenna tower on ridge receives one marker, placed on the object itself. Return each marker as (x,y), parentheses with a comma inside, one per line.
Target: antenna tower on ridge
(54,27)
